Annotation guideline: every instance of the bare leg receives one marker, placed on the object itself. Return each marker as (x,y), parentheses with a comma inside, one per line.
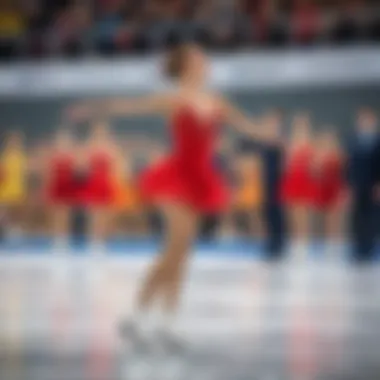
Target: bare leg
(333,227)
(299,221)
(333,230)
(177,262)
(99,225)
(165,277)
(291,215)
(257,226)
(60,223)
(227,226)
(15,213)
(3,221)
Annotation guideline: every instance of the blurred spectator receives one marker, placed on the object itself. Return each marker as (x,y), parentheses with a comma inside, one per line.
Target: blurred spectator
(215,225)
(298,186)
(305,21)
(70,30)
(227,23)
(272,153)
(273,160)
(71,27)
(105,178)
(249,196)
(12,29)
(13,190)
(101,159)
(109,22)
(373,30)
(165,23)
(270,24)
(61,186)
(354,17)
(330,188)
(38,20)
(364,181)
(36,216)
(127,208)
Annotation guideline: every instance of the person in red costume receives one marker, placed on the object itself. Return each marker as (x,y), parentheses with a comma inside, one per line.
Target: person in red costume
(298,186)
(330,186)
(60,182)
(99,167)
(186,184)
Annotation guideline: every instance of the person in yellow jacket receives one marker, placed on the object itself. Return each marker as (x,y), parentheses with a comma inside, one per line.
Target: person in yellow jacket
(13,171)
(249,195)
(126,201)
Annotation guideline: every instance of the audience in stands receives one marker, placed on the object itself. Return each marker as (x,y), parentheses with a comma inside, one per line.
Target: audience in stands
(12,29)
(38,28)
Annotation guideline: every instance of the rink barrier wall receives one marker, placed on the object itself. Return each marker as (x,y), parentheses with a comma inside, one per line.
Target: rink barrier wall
(244,71)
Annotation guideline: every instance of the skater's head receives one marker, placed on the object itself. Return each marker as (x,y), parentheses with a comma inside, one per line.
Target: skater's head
(366,120)
(187,63)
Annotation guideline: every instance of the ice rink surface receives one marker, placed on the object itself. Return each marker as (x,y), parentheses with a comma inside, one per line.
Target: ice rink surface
(241,319)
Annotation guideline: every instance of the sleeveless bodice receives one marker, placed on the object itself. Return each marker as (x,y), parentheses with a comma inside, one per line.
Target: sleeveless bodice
(194,139)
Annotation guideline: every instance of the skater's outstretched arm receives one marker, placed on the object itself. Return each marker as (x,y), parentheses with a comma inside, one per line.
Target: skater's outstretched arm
(240,122)
(145,105)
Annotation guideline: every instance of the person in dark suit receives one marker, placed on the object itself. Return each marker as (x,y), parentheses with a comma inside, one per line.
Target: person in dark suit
(272,153)
(363,171)
(273,213)
(210,224)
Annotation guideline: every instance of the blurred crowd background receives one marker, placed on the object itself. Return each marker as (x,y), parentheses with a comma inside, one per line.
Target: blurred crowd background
(307,70)
(318,182)
(304,185)
(42,28)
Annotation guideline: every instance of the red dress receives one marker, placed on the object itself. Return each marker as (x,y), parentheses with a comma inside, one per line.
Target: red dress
(189,174)
(98,189)
(329,182)
(61,183)
(298,184)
